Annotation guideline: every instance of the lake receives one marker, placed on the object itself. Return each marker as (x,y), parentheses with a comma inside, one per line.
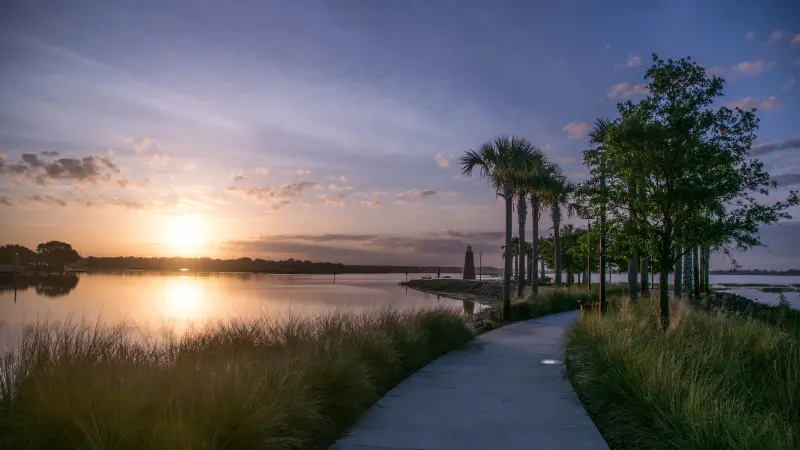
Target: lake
(148,300)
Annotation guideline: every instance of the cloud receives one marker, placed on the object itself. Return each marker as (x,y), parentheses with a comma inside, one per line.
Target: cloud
(769,103)
(789,84)
(102,204)
(795,40)
(576,130)
(625,90)
(719,71)
(437,248)
(371,204)
(151,151)
(44,200)
(797,62)
(750,103)
(298,172)
(763,149)
(418,193)
(754,67)
(263,171)
(444,160)
(775,37)
(238,176)
(189,166)
(277,196)
(50,154)
(750,35)
(125,183)
(91,168)
(6,200)
(633,61)
(787,179)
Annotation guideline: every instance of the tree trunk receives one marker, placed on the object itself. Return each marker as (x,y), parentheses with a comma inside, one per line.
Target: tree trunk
(516,266)
(645,277)
(696,271)
(557,242)
(663,288)
(522,214)
(534,243)
(702,270)
(633,291)
(509,255)
(688,286)
(707,269)
(678,278)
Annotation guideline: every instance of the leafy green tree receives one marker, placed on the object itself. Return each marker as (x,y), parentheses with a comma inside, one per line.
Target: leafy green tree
(57,253)
(16,254)
(683,154)
(499,161)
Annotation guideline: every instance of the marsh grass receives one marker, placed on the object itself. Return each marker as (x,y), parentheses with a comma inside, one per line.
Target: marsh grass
(711,381)
(244,383)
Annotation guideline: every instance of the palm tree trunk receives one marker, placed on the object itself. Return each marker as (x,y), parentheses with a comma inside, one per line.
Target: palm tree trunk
(534,243)
(633,285)
(531,269)
(522,214)
(557,242)
(509,254)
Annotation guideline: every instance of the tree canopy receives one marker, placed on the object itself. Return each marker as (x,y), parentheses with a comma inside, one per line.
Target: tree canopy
(57,253)
(677,172)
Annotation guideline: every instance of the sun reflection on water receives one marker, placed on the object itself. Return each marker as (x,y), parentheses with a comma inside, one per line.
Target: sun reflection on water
(184,300)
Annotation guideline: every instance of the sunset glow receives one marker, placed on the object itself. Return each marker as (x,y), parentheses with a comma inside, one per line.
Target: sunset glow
(185,232)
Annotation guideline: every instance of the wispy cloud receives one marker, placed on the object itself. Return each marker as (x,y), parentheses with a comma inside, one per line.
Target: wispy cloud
(750,35)
(751,102)
(298,172)
(763,149)
(789,84)
(417,193)
(754,67)
(238,176)
(371,204)
(576,130)
(795,40)
(151,151)
(277,196)
(262,171)
(189,166)
(444,160)
(775,37)
(633,61)
(787,179)
(625,90)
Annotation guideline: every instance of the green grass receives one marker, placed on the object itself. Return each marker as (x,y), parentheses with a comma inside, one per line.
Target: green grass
(240,384)
(549,301)
(712,381)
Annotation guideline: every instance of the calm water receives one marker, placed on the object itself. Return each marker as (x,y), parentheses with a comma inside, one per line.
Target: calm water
(151,300)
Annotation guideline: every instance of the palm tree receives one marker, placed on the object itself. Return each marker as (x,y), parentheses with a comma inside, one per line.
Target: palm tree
(534,174)
(557,198)
(536,184)
(499,161)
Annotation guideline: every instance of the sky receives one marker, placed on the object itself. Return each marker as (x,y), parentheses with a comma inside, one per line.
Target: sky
(331,130)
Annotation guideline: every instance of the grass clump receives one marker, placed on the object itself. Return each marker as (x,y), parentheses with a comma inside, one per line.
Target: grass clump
(241,384)
(710,381)
(548,302)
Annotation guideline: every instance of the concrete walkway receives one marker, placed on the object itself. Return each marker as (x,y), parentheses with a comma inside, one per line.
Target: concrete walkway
(499,392)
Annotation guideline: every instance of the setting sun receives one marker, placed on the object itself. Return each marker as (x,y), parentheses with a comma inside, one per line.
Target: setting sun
(185,231)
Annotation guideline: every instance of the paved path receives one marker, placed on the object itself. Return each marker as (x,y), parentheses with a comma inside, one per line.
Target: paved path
(494,394)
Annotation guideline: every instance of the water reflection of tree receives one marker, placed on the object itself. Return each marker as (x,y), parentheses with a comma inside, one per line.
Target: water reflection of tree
(49,286)
(469,307)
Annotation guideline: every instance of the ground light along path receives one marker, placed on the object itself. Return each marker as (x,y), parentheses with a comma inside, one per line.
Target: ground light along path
(506,389)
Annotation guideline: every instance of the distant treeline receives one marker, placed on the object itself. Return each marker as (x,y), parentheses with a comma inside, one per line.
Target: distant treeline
(790,272)
(289,266)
